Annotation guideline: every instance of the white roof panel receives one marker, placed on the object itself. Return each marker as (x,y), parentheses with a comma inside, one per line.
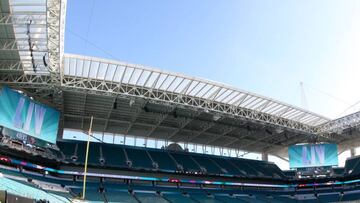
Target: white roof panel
(141,76)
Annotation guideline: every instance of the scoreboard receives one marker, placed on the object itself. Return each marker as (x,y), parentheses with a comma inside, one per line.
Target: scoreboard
(313,155)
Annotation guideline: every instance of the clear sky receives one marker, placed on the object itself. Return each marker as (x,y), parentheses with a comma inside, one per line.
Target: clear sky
(267,47)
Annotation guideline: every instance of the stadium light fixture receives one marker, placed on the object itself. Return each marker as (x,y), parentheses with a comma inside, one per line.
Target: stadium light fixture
(279,130)
(131,102)
(115,105)
(216,117)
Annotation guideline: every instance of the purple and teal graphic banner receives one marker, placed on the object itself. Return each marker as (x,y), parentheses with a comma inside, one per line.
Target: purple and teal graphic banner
(22,114)
(313,155)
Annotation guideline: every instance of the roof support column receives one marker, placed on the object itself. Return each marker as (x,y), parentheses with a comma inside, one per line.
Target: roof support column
(352,152)
(265,157)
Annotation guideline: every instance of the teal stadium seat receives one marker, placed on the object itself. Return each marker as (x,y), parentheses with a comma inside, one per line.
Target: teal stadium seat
(352,166)
(226,164)
(276,171)
(339,171)
(350,197)
(94,154)
(114,156)
(251,168)
(176,197)
(25,189)
(163,160)
(204,198)
(289,173)
(139,158)
(149,197)
(117,196)
(68,149)
(329,198)
(186,162)
(228,199)
(208,164)
(91,195)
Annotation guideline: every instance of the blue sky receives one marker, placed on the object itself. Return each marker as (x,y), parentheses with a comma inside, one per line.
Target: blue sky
(267,47)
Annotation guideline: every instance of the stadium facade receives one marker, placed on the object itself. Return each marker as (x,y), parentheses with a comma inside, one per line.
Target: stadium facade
(154,107)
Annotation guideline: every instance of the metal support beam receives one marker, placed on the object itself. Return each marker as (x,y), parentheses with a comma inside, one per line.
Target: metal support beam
(226,131)
(10,45)
(159,119)
(206,127)
(186,100)
(184,123)
(338,125)
(109,113)
(134,117)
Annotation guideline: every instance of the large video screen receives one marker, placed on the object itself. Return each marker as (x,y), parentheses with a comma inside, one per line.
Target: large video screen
(313,155)
(22,114)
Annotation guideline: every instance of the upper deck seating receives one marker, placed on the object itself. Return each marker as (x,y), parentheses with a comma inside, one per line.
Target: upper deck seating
(114,196)
(114,156)
(227,167)
(202,197)
(208,164)
(176,197)
(139,158)
(352,166)
(91,194)
(339,171)
(169,161)
(149,197)
(163,160)
(25,189)
(290,173)
(186,162)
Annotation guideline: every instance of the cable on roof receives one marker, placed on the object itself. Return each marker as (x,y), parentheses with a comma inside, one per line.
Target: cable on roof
(90,20)
(92,44)
(44,60)
(31,47)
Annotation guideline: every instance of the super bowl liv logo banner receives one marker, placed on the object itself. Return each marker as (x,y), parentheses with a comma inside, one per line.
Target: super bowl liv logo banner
(37,110)
(22,114)
(313,155)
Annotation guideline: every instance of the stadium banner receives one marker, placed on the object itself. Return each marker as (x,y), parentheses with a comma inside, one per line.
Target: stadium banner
(22,114)
(313,155)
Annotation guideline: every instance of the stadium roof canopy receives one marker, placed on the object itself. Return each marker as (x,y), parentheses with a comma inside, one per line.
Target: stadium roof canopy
(142,101)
